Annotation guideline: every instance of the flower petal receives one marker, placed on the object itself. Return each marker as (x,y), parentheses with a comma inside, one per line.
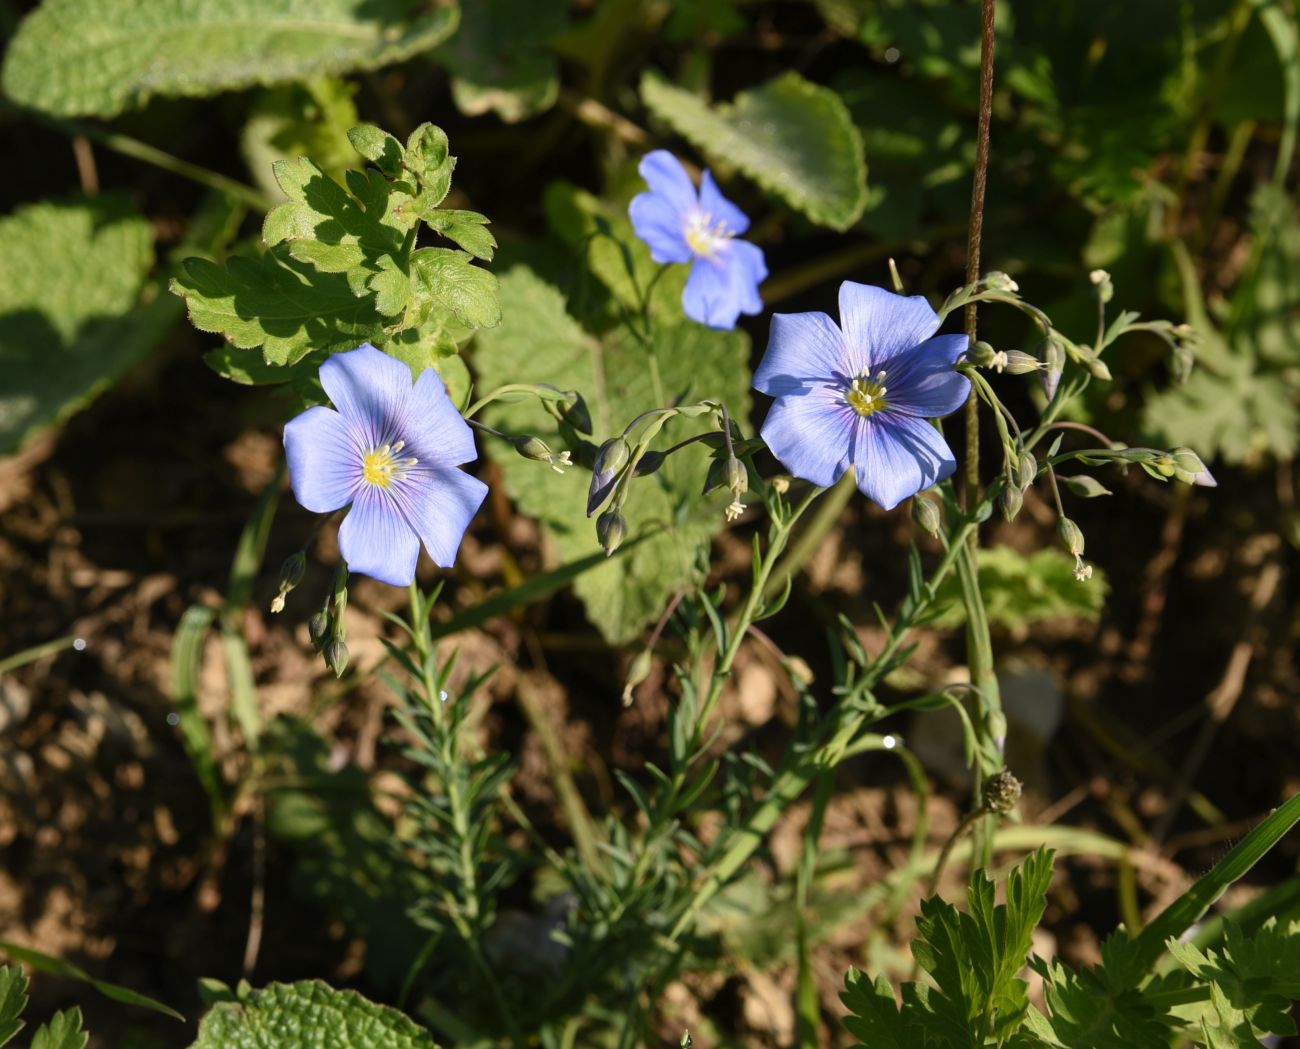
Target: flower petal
(748,269)
(324,459)
(879,324)
(370,389)
(810,431)
(439,505)
(665,175)
(719,209)
(434,429)
(661,226)
(375,539)
(712,296)
(896,456)
(803,347)
(922,380)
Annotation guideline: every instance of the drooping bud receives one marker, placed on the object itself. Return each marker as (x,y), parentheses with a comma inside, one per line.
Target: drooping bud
(1084,486)
(925,513)
(336,656)
(1190,469)
(611,457)
(318,629)
(1097,368)
(291,573)
(649,462)
(1002,793)
(637,672)
(1026,469)
(573,410)
(1071,536)
(1181,362)
(1053,366)
(1010,500)
(999,281)
(539,451)
(1101,281)
(737,477)
(611,530)
(1020,363)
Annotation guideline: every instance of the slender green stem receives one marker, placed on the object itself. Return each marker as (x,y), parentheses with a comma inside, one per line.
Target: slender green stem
(47,648)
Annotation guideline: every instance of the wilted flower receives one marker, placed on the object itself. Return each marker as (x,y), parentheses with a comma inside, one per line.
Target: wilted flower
(859,394)
(679,224)
(391,451)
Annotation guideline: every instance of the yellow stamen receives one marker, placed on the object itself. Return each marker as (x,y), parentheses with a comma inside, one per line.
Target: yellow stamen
(704,237)
(866,396)
(380,466)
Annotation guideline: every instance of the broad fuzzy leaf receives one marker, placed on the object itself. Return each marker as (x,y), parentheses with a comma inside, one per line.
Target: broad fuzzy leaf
(1020,590)
(305,1015)
(71,276)
(450,280)
(538,341)
(794,138)
(99,57)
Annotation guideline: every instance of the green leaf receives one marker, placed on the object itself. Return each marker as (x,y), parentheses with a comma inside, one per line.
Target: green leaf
(47,963)
(71,322)
(13,1000)
(285,307)
(465,228)
(64,1031)
(538,341)
(297,120)
(794,138)
(499,57)
(306,1015)
(99,57)
(449,279)
(1019,591)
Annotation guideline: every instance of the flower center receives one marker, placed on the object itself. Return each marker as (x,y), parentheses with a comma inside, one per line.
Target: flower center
(704,236)
(866,396)
(381,466)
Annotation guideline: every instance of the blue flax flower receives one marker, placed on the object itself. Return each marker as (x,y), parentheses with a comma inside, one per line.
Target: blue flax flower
(680,225)
(391,450)
(859,394)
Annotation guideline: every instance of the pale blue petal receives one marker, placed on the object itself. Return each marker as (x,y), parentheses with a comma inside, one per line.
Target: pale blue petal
(435,431)
(439,505)
(922,380)
(711,296)
(370,389)
(879,324)
(324,457)
(661,226)
(896,456)
(719,209)
(375,539)
(665,175)
(803,347)
(811,432)
(748,270)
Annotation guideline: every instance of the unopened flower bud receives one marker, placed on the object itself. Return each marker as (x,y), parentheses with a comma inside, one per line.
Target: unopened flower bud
(1164,466)
(336,656)
(291,572)
(737,477)
(611,530)
(780,483)
(539,451)
(573,410)
(1071,536)
(1020,363)
(613,456)
(1181,362)
(1010,500)
(318,629)
(1190,469)
(636,673)
(1026,469)
(925,513)
(1002,793)
(1101,281)
(1097,368)
(981,354)
(1053,365)
(649,462)
(1084,486)
(999,281)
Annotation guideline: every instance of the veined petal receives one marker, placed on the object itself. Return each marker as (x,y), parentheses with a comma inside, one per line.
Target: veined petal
(711,296)
(665,175)
(370,389)
(435,430)
(748,270)
(719,208)
(811,432)
(439,505)
(896,456)
(879,324)
(375,539)
(922,380)
(661,226)
(803,347)
(324,457)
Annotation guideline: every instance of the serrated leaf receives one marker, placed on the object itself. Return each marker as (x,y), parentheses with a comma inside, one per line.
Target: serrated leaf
(99,57)
(296,120)
(499,57)
(13,1000)
(71,276)
(465,228)
(285,307)
(48,963)
(306,1015)
(64,1031)
(1020,590)
(794,138)
(450,280)
(378,147)
(539,342)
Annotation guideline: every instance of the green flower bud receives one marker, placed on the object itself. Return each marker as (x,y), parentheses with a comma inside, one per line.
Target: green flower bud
(637,672)
(1084,486)
(1190,469)
(1026,469)
(1020,363)
(649,463)
(1097,368)
(981,355)
(1010,501)
(318,629)
(1101,281)
(1002,793)
(539,451)
(573,410)
(291,572)
(1071,536)
(336,656)
(1164,466)
(737,477)
(611,530)
(925,513)
(613,456)
(999,281)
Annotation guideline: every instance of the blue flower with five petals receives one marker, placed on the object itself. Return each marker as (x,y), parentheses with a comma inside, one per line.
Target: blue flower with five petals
(860,393)
(391,451)
(680,225)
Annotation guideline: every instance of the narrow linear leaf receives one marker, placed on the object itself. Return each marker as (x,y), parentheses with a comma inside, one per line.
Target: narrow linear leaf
(47,963)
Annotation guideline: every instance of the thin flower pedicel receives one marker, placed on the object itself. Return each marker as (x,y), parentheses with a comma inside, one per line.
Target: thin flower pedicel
(391,451)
